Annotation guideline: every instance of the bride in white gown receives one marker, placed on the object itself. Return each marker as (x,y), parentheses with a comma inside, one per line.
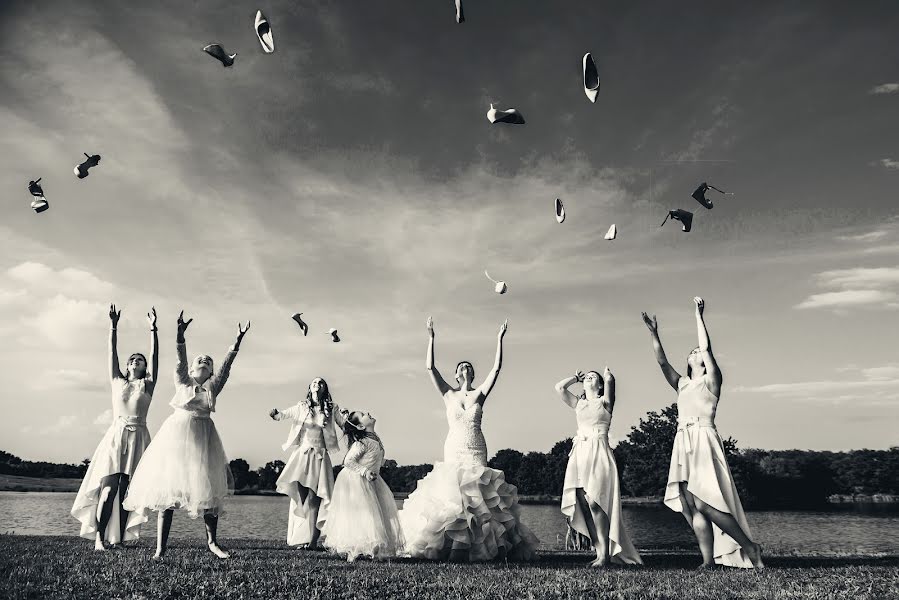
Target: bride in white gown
(463,510)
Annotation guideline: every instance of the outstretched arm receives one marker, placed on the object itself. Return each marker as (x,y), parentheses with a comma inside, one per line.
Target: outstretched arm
(114,370)
(668,371)
(497,362)
(154,347)
(562,389)
(436,377)
(221,378)
(182,375)
(712,372)
(608,396)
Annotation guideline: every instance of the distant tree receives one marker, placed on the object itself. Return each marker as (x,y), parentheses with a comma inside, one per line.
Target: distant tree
(645,455)
(268,474)
(509,462)
(240,470)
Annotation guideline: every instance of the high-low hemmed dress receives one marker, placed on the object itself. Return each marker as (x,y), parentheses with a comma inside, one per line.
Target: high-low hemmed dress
(463,504)
(309,465)
(119,451)
(185,466)
(698,459)
(363,520)
(592,467)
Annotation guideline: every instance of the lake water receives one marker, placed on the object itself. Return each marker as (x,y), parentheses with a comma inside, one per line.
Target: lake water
(849,529)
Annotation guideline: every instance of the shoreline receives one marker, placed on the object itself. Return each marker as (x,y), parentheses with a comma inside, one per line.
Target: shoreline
(18,483)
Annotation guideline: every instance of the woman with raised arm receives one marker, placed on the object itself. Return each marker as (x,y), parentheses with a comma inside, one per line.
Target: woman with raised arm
(308,476)
(463,510)
(700,485)
(185,466)
(591,498)
(98,504)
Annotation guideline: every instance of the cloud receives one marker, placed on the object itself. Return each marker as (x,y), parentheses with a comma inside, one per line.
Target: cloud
(860,277)
(40,279)
(63,423)
(69,380)
(104,419)
(885,88)
(66,322)
(887,163)
(850,298)
(871,236)
(878,385)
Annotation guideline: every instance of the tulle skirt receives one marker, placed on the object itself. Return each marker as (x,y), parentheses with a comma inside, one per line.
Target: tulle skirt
(363,519)
(185,467)
(468,508)
(311,468)
(698,459)
(119,451)
(592,467)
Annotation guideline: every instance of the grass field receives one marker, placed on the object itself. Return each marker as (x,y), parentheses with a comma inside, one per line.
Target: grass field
(66,567)
(15,483)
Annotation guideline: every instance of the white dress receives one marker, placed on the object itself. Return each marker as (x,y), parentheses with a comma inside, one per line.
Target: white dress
(363,519)
(309,465)
(464,505)
(185,466)
(592,467)
(698,459)
(119,451)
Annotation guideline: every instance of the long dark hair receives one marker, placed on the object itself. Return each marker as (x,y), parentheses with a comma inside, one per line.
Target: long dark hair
(327,403)
(354,434)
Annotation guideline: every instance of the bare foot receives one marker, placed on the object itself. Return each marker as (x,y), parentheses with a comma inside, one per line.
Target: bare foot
(707,567)
(755,555)
(99,546)
(157,556)
(600,561)
(351,557)
(214,548)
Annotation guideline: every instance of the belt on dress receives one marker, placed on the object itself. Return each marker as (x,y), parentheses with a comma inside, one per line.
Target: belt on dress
(685,423)
(131,423)
(589,433)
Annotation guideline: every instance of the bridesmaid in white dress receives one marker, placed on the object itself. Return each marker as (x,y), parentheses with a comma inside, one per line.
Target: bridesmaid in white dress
(700,485)
(463,510)
(363,520)
(308,476)
(591,498)
(186,467)
(98,504)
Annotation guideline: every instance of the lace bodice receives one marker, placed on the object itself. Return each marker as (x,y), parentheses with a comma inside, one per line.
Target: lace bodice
(465,441)
(130,398)
(364,456)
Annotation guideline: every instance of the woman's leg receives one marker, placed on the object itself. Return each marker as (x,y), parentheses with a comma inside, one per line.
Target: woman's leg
(312,515)
(701,527)
(584,506)
(601,526)
(212,522)
(163,526)
(729,525)
(109,487)
(124,481)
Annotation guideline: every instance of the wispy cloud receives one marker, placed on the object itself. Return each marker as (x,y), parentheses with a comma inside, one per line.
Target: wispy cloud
(871,236)
(69,380)
(850,299)
(877,385)
(885,88)
(865,277)
(887,163)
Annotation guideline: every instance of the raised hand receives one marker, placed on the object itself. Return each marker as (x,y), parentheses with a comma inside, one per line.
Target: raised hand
(113,315)
(273,413)
(579,375)
(151,317)
(700,304)
(182,324)
(651,322)
(607,374)
(502,329)
(241,331)
(430,326)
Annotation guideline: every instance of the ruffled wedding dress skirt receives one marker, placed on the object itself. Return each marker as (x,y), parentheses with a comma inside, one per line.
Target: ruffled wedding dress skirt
(363,519)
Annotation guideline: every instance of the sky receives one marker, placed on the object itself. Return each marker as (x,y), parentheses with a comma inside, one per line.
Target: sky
(353,176)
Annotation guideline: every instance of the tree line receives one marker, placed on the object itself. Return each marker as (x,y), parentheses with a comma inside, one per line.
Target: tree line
(764,478)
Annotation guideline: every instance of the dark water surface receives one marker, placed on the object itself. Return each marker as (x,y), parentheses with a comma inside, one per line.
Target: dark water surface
(845,529)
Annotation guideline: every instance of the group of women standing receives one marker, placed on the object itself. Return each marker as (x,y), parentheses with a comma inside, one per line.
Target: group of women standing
(462,510)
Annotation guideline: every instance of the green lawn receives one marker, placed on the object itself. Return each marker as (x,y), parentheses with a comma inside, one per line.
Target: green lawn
(66,567)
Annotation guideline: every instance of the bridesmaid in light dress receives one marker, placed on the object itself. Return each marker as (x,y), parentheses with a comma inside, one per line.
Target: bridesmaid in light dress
(591,498)
(700,485)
